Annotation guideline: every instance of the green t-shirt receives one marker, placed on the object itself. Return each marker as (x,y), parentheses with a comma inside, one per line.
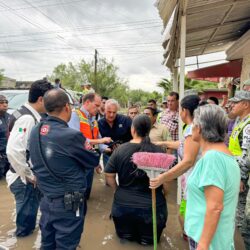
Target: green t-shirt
(213,169)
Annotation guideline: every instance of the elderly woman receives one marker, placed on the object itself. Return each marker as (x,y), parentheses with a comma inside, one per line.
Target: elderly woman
(213,186)
(131,210)
(188,151)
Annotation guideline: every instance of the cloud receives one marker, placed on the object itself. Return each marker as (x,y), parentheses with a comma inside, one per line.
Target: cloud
(36,36)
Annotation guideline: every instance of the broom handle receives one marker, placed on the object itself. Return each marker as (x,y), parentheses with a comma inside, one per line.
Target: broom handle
(154,218)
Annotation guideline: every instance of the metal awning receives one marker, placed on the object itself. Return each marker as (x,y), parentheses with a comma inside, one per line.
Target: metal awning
(212,25)
(213,73)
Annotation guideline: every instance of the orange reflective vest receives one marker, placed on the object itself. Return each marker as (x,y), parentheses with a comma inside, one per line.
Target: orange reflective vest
(89,131)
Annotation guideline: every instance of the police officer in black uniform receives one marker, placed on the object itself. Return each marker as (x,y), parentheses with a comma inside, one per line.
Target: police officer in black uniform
(59,163)
(4,123)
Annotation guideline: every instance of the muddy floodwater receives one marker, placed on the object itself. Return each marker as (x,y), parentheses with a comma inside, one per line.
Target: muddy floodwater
(99,232)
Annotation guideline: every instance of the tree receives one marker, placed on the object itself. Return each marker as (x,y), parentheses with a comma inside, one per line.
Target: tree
(141,97)
(1,75)
(107,81)
(166,85)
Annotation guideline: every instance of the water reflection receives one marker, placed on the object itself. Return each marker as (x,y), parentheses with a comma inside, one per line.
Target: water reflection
(99,232)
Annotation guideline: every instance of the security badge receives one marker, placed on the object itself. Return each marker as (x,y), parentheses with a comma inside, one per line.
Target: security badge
(120,125)
(1,122)
(44,130)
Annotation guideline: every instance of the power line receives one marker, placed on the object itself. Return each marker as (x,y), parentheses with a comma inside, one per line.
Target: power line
(41,6)
(136,23)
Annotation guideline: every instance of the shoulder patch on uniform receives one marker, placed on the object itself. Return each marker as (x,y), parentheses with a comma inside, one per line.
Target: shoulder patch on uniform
(44,130)
(247,130)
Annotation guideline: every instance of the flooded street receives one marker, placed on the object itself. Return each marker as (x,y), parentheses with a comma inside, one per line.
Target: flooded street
(99,232)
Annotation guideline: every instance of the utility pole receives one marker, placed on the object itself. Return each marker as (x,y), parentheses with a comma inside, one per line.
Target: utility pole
(96,52)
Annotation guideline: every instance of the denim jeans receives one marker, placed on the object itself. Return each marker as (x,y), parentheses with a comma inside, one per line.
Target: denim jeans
(105,159)
(27,203)
(60,229)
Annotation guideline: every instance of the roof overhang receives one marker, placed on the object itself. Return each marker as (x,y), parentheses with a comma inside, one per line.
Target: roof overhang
(214,73)
(212,25)
(240,48)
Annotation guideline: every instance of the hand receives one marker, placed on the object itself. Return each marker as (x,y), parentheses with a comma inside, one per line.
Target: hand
(108,150)
(224,100)
(106,140)
(242,187)
(33,181)
(156,182)
(115,146)
(88,146)
(98,169)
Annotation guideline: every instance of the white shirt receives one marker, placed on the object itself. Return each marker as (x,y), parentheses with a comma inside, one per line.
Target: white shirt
(17,146)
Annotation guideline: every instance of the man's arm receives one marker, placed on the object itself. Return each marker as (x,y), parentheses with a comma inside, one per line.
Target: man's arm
(87,158)
(17,146)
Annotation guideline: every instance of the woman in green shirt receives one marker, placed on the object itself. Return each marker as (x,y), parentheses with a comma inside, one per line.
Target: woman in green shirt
(213,186)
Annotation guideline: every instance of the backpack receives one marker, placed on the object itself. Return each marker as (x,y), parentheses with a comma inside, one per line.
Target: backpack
(19,113)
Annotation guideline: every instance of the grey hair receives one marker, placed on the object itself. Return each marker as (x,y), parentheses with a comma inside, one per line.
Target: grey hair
(213,121)
(110,102)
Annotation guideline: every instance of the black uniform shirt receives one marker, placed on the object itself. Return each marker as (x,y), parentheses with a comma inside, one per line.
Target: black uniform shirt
(120,131)
(4,123)
(63,149)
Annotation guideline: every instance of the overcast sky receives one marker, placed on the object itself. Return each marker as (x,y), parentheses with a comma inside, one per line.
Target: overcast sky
(37,35)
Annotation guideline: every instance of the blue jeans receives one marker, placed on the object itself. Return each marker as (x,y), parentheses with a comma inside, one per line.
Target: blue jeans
(60,229)
(105,159)
(27,203)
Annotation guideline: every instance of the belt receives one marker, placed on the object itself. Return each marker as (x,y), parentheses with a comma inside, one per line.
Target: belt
(59,198)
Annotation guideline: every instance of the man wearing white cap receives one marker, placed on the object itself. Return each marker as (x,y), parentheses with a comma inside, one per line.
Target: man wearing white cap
(239,144)
(86,88)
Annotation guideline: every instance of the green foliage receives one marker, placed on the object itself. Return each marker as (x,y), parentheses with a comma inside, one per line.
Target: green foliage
(141,97)
(167,85)
(106,82)
(1,75)
(199,85)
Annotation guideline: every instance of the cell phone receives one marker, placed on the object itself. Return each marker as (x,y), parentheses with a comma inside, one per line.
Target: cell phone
(112,144)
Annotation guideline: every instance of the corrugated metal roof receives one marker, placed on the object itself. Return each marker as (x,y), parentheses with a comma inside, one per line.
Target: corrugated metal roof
(212,25)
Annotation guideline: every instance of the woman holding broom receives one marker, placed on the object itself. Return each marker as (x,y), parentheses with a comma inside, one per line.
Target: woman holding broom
(213,186)
(131,210)
(188,151)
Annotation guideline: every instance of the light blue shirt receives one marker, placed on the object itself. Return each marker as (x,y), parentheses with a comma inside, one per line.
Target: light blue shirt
(220,170)
(75,124)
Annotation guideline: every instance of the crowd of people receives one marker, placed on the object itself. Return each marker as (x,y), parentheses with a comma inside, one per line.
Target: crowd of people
(50,151)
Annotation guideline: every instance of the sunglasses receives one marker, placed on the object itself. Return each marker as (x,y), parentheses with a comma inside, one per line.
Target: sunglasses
(4,101)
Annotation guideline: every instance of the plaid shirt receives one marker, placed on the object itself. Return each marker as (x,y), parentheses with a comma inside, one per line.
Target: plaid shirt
(170,119)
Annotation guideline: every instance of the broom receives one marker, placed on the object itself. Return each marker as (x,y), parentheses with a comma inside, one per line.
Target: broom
(153,164)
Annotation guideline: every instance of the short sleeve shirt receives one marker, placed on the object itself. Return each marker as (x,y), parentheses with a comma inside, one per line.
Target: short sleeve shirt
(133,189)
(120,131)
(220,170)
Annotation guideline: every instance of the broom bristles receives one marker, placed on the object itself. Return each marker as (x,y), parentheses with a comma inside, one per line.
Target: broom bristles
(153,160)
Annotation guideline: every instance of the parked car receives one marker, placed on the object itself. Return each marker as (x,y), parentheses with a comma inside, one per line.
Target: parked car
(18,97)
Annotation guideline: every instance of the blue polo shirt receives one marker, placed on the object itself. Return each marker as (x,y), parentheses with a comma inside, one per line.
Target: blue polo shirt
(120,129)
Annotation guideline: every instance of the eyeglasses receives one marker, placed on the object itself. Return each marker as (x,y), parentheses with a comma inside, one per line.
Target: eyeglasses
(4,101)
